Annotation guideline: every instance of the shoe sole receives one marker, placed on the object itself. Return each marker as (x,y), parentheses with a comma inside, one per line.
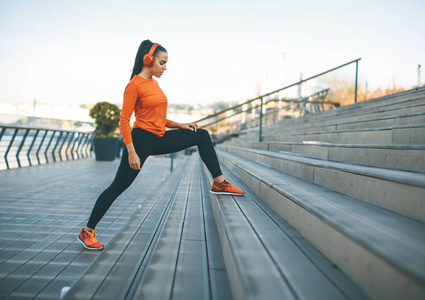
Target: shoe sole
(87,247)
(226,193)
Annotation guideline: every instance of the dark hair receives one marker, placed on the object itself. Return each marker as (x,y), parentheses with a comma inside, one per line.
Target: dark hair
(144,48)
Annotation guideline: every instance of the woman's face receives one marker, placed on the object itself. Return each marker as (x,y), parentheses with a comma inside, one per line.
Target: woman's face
(160,64)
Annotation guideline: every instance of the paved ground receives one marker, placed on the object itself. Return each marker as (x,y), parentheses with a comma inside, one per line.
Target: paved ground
(42,210)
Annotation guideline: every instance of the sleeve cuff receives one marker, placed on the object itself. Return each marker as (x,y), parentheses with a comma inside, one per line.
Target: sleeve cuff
(127,139)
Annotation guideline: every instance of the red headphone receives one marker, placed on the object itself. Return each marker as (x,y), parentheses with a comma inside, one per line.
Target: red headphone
(148,58)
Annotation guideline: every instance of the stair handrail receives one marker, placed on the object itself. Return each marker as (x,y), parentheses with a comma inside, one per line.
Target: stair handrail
(261,97)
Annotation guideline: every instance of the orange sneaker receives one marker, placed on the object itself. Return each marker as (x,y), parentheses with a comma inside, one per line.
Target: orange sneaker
(88,239)
(225,188)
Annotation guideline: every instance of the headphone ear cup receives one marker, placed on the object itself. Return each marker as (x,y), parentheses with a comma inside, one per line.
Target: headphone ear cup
(148,60)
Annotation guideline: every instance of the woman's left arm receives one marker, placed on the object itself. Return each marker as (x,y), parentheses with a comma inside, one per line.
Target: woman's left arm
(187,126)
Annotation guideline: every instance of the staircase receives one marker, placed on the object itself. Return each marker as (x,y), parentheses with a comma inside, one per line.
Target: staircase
(335,204)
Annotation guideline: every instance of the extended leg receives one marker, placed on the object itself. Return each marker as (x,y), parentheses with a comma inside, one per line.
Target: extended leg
(177,140)
(123,179)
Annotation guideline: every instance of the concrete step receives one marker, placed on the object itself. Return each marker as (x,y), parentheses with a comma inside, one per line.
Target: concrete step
(405,103)
(356,123)
(411,96)
(393,102)
(398,191)
(266,258)
(360,116)
(383,252)
(161,253)
(396,157)
(413,134)
(404,119)
(408,116)
(411,101)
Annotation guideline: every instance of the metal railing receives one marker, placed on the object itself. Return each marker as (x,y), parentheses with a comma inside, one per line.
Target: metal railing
(26,146)
(252,106)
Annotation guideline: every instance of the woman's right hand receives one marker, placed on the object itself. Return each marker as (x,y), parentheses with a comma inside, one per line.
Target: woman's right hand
(134,161)
(133,158)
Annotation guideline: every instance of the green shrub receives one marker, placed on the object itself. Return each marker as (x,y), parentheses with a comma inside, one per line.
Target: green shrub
(107,119)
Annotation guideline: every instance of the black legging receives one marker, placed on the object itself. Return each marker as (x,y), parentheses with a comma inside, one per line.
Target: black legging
(146,144)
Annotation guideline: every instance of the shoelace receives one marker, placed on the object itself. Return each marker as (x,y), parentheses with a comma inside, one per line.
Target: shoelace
(225,182)
(91,236)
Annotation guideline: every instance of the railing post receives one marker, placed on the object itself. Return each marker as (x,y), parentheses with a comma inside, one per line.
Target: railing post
(62,146)
(82,148)
(20,147)
(2,133)
(77,143)
(172,155)
(39,147)
(56,145)
(47,148)
(69,145)
(355,88)
(304,107)
(261,121)
(10,146)
(89,145)
(30,148)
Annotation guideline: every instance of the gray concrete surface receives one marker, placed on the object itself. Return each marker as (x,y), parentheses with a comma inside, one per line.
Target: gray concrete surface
(42,210)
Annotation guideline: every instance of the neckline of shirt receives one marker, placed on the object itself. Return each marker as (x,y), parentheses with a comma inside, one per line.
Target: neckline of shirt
(138,76)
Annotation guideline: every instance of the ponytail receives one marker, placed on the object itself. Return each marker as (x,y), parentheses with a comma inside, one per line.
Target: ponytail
(144,48)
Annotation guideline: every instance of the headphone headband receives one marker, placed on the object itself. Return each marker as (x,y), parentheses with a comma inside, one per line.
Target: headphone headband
(153,48)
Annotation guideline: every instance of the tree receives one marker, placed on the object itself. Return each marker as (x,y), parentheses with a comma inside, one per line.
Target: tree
(341,90)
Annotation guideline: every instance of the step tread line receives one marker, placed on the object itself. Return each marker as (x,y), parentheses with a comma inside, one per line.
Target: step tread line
(345,122)
(364,111)
(328,144)
(356,130)
(405,177)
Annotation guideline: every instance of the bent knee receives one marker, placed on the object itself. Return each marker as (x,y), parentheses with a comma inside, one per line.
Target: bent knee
(204,134)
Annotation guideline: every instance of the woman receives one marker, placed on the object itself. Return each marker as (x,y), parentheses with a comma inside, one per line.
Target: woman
(149,137)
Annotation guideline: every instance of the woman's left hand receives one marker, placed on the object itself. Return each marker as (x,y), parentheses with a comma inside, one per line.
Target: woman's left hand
(190,126)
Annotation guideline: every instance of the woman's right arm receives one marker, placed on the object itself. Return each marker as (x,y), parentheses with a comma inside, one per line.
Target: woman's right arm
(129,102)
(130,98)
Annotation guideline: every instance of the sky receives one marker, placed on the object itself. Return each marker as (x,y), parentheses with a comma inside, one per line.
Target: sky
(83,51)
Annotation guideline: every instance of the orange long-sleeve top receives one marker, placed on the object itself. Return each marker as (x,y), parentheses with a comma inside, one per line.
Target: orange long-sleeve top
(149,103)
